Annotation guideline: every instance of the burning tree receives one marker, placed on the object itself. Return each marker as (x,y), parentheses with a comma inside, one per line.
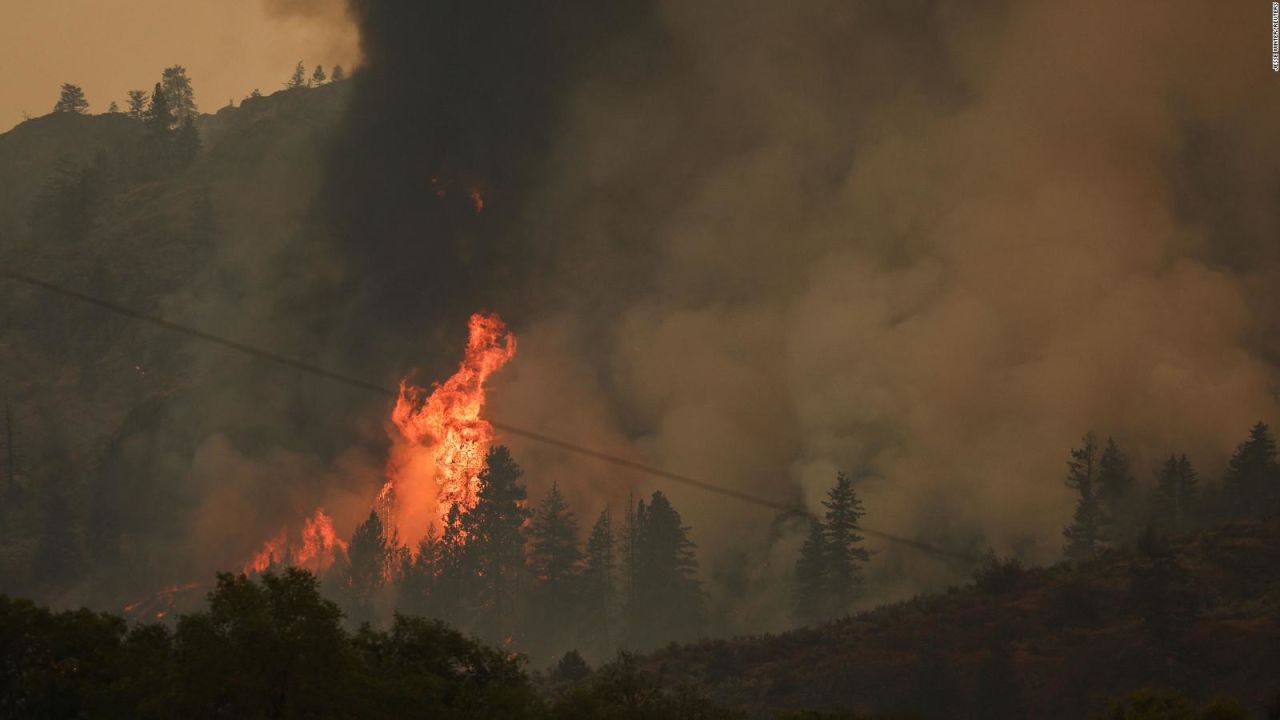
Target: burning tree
(440,450)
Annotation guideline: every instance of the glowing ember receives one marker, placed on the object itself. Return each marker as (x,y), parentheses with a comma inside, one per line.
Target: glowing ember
(477,199)
(316,551)
(159,604)
(440,451)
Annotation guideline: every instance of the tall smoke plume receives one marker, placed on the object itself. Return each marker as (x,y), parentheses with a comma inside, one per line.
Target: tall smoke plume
(929,243)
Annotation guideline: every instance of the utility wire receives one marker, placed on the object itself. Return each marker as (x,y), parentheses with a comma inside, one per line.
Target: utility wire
(318,371)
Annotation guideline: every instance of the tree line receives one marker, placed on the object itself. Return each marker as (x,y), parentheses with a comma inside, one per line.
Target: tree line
(522,577)
(318,77)
(177,96)
(1113,509)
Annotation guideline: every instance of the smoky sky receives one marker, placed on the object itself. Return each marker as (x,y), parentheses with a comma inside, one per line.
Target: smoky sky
(456,104)
(928,243)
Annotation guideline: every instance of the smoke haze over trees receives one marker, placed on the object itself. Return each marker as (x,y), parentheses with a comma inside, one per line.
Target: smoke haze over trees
(995,227)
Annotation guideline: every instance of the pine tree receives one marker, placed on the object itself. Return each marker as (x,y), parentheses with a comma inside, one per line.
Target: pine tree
(667,603)
(318,77)
(138,104)
(812,599)
(338,74)
(299,77)
(368,556)
(180,94)
(599,599)
(1251,483)
(630,549)
(495,543)
(1115,489)
(844,551)
(553,536)
(554,559)
(1084,534)
(418,576)
(71,100)
(113,108)
(1177,494)
(453,586)
(159,116)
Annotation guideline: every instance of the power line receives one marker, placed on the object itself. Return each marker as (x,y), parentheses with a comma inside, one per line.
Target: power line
(321,372)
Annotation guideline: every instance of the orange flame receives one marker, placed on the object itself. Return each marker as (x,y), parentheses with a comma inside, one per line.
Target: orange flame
(440,451)
(273,552)
(158,605)
(320,544)
(317,550)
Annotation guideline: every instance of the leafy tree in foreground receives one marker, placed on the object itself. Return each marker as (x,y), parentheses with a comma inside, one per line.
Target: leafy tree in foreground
(71,100)
(273,647)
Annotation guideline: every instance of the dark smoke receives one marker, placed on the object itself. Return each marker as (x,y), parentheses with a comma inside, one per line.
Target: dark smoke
(452,98)
(927,242)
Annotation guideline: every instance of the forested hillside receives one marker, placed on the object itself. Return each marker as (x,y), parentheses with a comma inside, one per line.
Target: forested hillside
(1197,618)
(135,462)
(1200,613)
(188,224)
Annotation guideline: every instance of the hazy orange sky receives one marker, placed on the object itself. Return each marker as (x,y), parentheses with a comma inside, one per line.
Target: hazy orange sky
(108,47)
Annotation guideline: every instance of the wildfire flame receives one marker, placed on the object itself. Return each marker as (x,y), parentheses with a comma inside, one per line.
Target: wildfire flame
(440,451)
(159,604)
(436,460)
(440,188)
(316,550)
